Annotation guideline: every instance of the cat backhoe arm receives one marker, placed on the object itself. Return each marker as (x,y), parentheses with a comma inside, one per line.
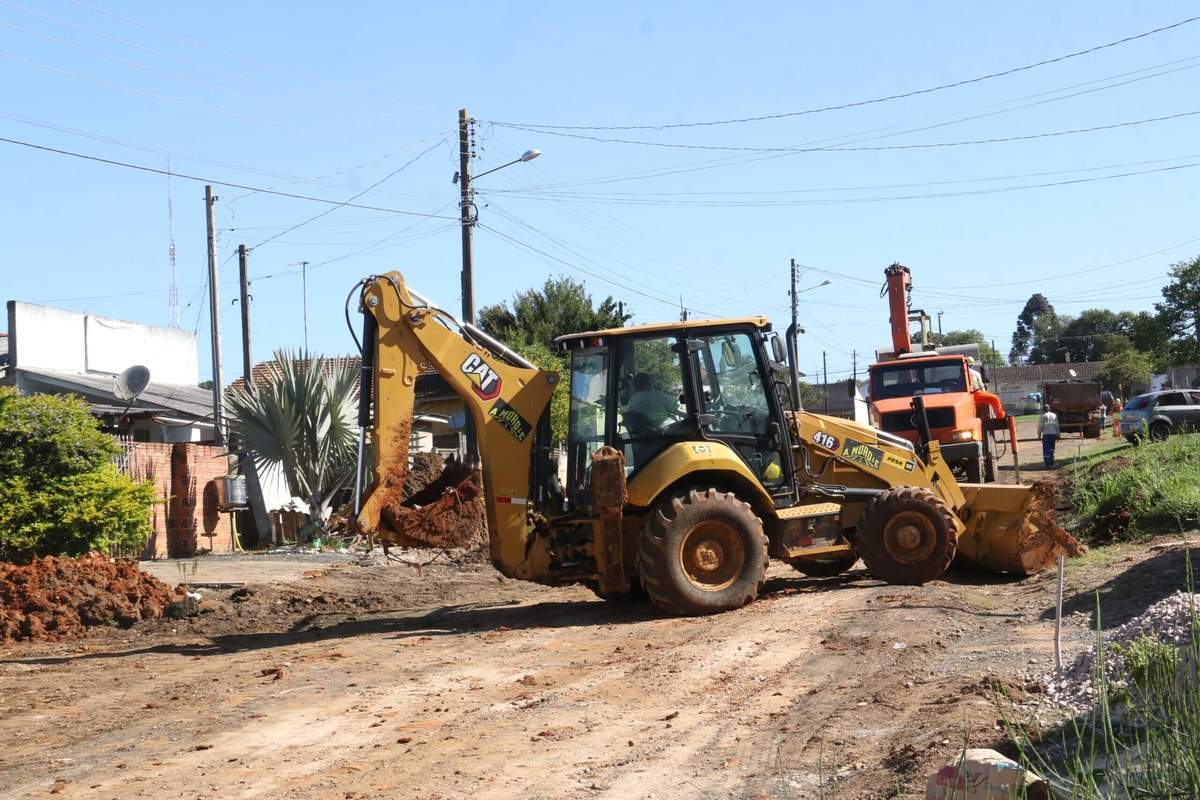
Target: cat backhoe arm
(505,396)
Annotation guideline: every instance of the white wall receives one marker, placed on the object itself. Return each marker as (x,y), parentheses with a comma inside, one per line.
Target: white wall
(70,341)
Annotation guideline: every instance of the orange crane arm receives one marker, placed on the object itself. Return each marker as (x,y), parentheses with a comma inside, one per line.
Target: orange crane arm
(899,279)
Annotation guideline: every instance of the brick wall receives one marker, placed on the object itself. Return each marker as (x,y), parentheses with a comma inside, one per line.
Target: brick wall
(185,519)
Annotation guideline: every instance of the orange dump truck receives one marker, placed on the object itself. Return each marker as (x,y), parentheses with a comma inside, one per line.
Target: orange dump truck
(962,414)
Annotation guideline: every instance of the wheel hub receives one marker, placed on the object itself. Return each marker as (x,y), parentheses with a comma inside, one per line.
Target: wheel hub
(712,555)
(909,537)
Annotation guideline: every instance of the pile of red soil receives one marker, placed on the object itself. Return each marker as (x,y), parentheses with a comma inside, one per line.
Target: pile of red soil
(428,479)
(58,598)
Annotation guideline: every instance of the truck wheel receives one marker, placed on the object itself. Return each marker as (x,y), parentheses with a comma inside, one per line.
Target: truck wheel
(1091,431)
(1159,432)
(907,535)
(702,553)
(989,466)
(823,567)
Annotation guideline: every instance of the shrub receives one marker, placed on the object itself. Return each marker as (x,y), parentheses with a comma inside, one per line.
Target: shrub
(59,492)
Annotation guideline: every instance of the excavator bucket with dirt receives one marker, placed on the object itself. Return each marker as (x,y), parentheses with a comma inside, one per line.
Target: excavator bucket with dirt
(1010,529)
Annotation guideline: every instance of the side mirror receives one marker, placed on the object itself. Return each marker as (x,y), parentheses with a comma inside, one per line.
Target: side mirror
(985,372)
(851,388)
(777,350)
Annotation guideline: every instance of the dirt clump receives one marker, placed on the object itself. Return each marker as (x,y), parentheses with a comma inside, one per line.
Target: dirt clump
(56,598)
(463,524)
(424,470)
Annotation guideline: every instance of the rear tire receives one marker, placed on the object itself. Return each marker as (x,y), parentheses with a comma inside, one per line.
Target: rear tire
(1159,432)
(1091,431)
(907,536)
(823,567)
(701,553)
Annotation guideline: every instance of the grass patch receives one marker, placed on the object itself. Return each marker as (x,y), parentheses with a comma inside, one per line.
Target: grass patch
(1140,739)
(1139,491)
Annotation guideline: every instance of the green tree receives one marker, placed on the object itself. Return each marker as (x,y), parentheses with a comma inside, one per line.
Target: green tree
(1096,333)
(59,491)
(560,402)
(302,420)
(1036,336)
(1124,368)
(987,353)
(538,316)
(1179,312)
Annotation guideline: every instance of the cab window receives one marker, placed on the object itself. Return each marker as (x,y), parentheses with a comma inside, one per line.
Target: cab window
(585,428)
(731,386)
(651,412)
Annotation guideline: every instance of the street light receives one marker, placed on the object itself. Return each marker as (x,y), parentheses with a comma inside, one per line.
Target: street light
(528,155)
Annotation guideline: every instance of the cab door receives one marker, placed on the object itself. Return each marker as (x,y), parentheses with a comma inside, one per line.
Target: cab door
(738,404)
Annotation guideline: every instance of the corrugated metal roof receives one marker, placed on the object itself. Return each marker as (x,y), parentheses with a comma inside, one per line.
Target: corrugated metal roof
(188,401)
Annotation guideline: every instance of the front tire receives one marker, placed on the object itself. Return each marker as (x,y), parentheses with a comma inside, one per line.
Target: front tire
(1159,432)
(701,553)
(907,536)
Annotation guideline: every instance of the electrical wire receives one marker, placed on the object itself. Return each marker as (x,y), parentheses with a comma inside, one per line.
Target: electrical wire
(871,148)
(576,268)
(860,103)
(330,210)
(215,182)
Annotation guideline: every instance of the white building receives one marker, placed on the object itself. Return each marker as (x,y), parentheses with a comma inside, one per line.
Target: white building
(56,351)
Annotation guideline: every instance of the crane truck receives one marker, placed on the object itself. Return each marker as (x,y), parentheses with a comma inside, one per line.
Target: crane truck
(685,472)
(963,415)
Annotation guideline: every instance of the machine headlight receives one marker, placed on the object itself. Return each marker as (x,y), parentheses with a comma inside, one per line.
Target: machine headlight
(962,436)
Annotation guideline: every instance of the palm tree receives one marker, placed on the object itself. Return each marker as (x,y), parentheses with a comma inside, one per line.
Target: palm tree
(302,420)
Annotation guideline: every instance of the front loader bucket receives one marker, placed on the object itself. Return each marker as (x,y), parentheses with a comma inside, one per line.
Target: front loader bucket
(1009,529)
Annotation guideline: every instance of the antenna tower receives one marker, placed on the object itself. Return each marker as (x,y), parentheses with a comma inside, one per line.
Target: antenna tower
(173,291)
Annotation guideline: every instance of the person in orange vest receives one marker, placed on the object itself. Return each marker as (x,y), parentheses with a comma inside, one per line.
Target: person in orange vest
(1116,415)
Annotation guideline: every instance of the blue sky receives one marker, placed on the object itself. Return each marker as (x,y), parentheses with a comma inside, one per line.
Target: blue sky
(325,100)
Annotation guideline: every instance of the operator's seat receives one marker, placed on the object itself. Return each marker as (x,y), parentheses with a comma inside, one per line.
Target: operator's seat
(643,435)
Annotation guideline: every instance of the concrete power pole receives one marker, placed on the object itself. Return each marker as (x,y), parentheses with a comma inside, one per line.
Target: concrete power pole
(214,311)
(825,379)
(254,492)
(247,363)
(465,205)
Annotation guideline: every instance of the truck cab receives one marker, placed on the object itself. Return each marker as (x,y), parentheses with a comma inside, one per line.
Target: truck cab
(945,383)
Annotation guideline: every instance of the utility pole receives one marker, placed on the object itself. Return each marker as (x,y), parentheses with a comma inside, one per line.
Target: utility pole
(854,366)
(825,379)
(795,300)
(465,204)
(247,364)
(254,492)
(214,311)
(940,322)
(682,310)
(304,303)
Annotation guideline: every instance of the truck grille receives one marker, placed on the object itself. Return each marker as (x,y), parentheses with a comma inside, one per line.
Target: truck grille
(902,421)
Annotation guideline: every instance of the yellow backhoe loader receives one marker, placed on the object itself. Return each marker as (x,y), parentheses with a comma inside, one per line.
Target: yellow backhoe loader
(686,469)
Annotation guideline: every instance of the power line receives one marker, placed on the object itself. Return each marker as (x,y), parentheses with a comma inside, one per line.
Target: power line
(860,200)
(726,161)
(214,181)
(575,267)
(858,103)
(329,211)
(870,148)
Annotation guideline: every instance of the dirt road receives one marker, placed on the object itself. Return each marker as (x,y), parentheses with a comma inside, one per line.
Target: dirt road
(372,682)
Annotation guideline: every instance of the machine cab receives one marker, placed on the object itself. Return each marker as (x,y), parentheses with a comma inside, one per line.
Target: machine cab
(644,389)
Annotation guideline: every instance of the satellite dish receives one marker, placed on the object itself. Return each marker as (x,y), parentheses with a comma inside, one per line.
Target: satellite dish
(131,383)
(1073,373)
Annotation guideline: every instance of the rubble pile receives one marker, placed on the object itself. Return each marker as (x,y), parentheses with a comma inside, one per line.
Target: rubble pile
(58,598)
(427,481)
(1168,621)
